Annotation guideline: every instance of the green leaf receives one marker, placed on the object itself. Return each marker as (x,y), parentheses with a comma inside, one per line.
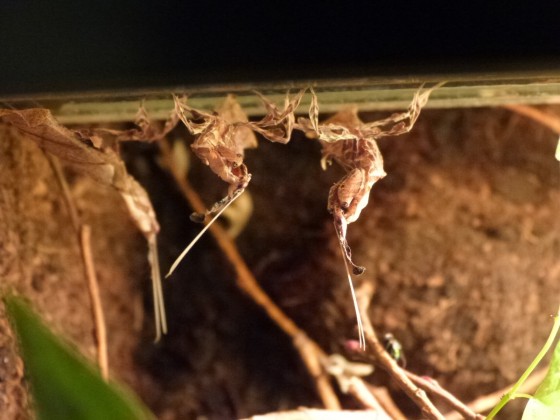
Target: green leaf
(63,383)
(545,404)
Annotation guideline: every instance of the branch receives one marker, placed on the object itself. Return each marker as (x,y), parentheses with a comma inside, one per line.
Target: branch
(315,414)
(383,358)
(548,120)
(433,387)
(97,308)
(382,395)
(349,378)
(362,392)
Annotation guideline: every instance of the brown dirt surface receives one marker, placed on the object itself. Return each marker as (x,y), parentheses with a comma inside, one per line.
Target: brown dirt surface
(460,240)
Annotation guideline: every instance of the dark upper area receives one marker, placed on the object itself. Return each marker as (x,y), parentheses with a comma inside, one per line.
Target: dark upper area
(62,46)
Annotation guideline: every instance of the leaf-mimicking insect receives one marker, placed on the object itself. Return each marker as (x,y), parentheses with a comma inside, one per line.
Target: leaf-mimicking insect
(220,142)
(352,144)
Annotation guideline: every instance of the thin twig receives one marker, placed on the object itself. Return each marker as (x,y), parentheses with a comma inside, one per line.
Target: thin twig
(486,402)
(358,388)
(382,395)
(97,308)
(544,118)
(84,236)
(511,394)
(316,414)
(431,386)
(383,358)
(548,120)
(66,194)
(309,351)
(349,377)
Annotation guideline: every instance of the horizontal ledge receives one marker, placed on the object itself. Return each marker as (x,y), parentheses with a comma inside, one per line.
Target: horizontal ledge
(368,94)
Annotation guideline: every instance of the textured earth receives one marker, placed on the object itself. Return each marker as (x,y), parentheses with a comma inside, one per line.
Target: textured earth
(460,239)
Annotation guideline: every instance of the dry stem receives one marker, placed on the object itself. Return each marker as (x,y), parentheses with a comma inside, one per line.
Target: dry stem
(433,387)
(97,308)
(309,351)
(61,179)
(384,398)
(544,118)
(84,234)
(389,364)
(548,120)
(362,392)
(315,414)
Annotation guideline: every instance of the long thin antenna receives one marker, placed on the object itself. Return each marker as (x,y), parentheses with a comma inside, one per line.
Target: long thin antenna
(159,306)
(361,334)
(195,240)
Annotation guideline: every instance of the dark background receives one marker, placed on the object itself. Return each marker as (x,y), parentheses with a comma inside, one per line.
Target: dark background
(75,46)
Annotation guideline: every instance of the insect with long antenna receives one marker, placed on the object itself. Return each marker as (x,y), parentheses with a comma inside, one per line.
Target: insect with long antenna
(93,152)
(352,144)
(138,201)
(221,140)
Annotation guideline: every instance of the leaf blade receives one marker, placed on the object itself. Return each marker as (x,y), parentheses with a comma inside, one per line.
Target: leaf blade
(545,404)
(64,384)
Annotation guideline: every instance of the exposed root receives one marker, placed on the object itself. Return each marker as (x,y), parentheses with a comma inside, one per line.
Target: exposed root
(96,306)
